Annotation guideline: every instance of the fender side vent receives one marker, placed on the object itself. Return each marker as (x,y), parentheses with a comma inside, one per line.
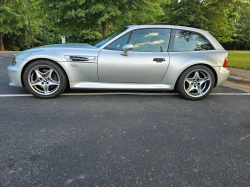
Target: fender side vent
(78,58)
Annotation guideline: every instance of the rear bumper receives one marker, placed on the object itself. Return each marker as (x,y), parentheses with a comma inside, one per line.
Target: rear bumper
(223,74)
(14,74)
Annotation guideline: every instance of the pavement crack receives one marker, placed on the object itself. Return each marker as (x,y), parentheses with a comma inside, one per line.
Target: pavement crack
(211,104)
(244,137)
(48,156)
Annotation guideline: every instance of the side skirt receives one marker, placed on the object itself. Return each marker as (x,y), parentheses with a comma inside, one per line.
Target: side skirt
(123,86)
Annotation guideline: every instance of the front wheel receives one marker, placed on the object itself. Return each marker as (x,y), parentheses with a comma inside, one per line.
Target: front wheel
(44,79)
(195,82)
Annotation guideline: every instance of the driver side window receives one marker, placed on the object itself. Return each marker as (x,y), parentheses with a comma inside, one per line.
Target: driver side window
(119,43)
(150,40)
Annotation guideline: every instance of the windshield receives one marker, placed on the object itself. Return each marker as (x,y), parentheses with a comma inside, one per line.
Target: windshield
(104,40)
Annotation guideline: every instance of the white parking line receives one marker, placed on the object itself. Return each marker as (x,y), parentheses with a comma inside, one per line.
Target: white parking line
(229,94)
(121,93)
(15,95)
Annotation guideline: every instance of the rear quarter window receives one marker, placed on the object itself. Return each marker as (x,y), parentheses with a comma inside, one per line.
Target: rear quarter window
(182,40)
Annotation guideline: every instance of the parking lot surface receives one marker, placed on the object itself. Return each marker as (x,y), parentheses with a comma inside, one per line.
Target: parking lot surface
(123,139)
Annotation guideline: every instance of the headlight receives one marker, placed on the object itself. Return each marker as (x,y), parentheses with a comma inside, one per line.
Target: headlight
(14,61)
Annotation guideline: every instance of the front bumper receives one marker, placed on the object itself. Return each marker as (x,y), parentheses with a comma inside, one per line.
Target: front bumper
(14,73)
(223,74)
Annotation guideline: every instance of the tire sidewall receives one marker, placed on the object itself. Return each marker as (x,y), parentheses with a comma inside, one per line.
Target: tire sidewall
(63,82)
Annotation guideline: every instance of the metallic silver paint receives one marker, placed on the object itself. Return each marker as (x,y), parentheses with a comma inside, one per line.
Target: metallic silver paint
(114,71)
(124,86)
(179,61)
(126,48)
(14,73)
(137,67)
(222,75)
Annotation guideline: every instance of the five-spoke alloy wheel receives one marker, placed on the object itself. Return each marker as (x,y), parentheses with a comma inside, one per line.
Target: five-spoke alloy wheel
(44,79)
(195,82)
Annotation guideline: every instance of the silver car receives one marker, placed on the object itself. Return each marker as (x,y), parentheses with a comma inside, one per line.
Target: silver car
(138,57)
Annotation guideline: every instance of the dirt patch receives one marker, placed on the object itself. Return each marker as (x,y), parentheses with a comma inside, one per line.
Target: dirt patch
(243,87)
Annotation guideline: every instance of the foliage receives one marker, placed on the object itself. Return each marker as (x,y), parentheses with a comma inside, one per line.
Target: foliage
(215,16)
(242,24)
(88,20)
(87,16)
(14,24)
(12,19)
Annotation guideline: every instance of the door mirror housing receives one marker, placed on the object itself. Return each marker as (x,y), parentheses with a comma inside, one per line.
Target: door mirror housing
(126,48)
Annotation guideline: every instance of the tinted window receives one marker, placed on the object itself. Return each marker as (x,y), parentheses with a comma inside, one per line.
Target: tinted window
(104,40)
(188,41)
(150,40)
(119,43)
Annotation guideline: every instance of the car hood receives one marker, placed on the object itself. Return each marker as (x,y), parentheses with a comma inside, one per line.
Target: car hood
(60,46)
(59,50)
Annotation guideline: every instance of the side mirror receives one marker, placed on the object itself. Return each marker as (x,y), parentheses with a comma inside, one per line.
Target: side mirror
(126,48)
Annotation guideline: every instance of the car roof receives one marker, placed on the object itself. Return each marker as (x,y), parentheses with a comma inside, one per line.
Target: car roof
(167,26)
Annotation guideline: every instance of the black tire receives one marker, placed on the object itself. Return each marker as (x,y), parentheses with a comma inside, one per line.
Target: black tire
(58,74)
(181,83)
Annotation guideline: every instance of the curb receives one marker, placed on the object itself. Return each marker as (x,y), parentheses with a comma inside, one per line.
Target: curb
(238,79)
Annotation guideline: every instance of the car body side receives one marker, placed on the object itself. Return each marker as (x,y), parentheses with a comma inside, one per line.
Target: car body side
(87,72)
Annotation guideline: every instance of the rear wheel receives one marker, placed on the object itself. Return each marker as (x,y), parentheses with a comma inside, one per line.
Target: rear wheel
(44,79)
(195,82)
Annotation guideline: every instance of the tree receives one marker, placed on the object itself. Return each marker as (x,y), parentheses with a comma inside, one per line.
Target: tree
(242,24)
(215,16)
(14,30)
(100,15)
(12,19)
(88,20)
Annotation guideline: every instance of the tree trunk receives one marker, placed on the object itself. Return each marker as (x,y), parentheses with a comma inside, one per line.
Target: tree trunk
(105,27)
(1,43)
(235,44)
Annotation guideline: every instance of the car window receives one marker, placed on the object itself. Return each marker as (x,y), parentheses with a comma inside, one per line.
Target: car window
(150,40)
(119,43)
(188,41)
(104,40)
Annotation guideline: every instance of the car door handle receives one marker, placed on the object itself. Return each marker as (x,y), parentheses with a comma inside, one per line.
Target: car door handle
(159,59)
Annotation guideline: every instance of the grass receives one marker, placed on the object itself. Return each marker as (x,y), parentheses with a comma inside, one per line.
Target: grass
(239,59)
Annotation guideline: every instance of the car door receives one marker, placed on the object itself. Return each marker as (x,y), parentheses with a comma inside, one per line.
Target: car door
(146,63)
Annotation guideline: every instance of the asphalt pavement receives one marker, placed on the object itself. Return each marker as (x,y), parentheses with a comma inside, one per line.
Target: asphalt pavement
(123,139)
